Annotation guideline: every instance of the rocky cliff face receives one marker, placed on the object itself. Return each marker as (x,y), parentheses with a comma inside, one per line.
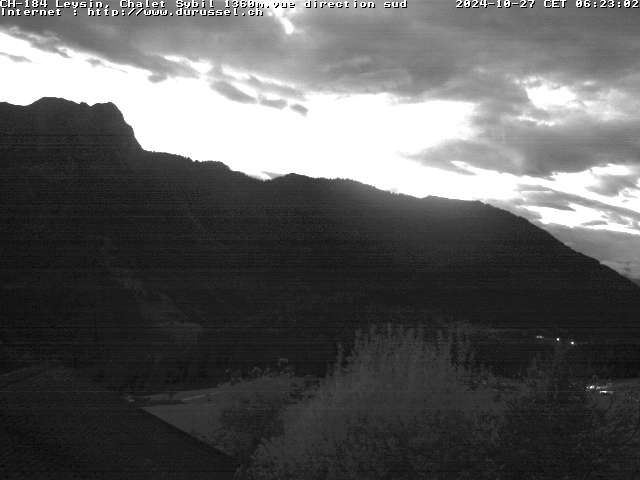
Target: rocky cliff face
(116,251)
(57,124)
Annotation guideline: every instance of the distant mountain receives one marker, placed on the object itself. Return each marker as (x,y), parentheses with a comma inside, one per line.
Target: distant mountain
(112,252)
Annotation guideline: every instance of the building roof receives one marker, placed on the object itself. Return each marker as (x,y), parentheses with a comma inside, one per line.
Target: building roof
(54,423)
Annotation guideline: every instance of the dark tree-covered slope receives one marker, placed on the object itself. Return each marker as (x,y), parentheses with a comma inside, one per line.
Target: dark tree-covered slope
(111,251)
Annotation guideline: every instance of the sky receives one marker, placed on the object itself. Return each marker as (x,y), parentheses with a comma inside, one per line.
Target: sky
(535,110)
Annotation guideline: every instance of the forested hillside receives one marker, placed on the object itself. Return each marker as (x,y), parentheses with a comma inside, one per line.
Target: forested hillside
(128,257)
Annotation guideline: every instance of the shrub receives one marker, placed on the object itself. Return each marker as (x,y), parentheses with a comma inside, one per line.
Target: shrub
(404,406)
(255,414)
(399,407)
(556,430)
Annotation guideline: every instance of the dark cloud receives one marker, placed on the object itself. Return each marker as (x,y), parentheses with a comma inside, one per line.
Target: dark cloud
(278,103)
(443,155)
(524,147)
(547,197)
(612,185)
(15,58)
(232,93)
(525,188)
(95,62)
(110,39)
(47,43)
(266,87)
(413,51)
(225,83)
(301,109)
(157,77)
(548,200)
(573,146)
(595,223)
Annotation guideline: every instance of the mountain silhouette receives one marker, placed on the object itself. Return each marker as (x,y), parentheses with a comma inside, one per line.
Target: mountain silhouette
(110,252)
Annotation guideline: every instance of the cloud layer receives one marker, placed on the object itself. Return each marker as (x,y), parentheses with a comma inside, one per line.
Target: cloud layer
(429,50)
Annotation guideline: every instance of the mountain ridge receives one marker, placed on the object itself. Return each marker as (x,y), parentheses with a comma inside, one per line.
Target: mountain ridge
(67,123)
(116,252)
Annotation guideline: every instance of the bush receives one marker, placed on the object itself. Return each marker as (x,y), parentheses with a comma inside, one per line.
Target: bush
(255,414)
(400,407)
(556,430)
(404,406)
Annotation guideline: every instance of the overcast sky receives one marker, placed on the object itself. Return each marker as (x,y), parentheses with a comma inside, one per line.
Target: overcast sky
(534,110)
